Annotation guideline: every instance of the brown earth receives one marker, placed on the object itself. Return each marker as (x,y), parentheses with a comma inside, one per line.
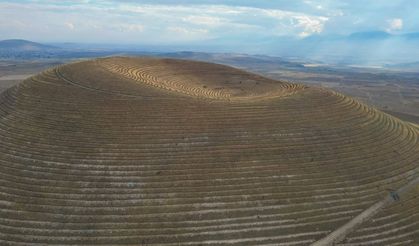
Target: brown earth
(142,151)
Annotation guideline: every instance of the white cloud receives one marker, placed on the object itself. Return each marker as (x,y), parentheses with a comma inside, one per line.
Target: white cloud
(70,26)
(394,24)
(237,18)
(131,21)
(310,25)
(186,31)
(304,25)
(129,27)
(204,20)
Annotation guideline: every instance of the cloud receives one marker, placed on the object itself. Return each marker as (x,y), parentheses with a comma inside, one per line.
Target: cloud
(394,25)
(304,25)
(121,21)
(129,27)
(153,21)
(205,20)
(188,31)
(310,25)
(223,21)
(70,26)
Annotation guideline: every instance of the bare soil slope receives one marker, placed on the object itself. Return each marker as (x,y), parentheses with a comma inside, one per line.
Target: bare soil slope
(136,151)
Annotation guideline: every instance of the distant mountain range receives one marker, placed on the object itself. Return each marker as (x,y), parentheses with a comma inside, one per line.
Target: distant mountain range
(18,49)
(375,48)
(20,45)
(361,48)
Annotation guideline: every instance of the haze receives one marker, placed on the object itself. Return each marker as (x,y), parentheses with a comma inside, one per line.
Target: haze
(374,32)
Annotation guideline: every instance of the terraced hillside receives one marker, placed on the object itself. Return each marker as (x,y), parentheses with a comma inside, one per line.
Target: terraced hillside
(397,224)
(141,151)
(198,79)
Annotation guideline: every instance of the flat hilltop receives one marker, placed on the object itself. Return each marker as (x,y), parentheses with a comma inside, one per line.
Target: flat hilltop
(198,79)
(147,151)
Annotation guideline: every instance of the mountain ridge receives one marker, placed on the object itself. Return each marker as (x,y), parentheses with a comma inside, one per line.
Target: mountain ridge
(24,45)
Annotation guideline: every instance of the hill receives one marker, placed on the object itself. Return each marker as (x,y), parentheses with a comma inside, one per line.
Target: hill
(144,151)
(19,45)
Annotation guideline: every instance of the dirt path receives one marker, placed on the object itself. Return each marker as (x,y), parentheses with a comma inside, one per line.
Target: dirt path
(340,233)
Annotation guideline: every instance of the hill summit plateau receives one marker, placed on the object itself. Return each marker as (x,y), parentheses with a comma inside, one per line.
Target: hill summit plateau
(144,151)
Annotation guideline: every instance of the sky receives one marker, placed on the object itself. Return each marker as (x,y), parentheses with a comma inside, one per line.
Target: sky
(186,21)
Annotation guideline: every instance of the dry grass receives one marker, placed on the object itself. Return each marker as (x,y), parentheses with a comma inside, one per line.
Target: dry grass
(134,151)
(199,79)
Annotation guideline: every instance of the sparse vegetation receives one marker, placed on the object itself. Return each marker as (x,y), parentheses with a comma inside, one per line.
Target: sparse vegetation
(135,151)
(199,79)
